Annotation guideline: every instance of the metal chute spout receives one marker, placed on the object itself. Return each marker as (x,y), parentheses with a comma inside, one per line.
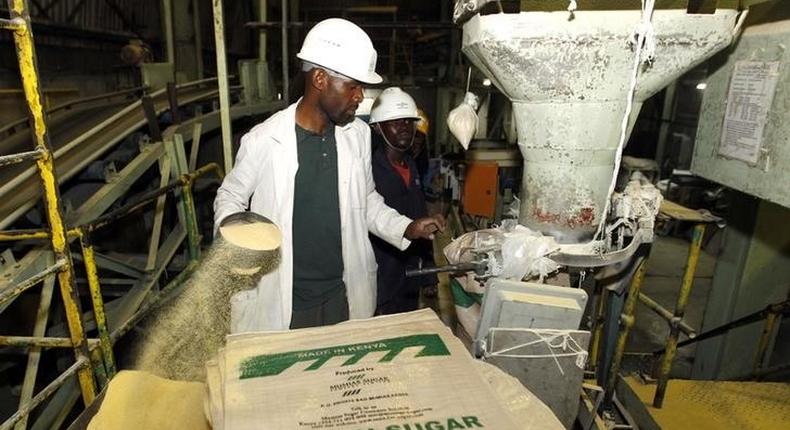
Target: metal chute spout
(569,82)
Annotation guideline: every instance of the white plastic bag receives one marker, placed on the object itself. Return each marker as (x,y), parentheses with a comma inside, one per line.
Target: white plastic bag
(462,121)
(524,254)
(512,251)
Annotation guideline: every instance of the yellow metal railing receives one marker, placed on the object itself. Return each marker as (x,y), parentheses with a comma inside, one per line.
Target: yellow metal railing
(94,358)
(19,23)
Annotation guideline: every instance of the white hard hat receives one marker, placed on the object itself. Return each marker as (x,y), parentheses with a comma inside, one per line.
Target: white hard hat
(343,47)
(393,103)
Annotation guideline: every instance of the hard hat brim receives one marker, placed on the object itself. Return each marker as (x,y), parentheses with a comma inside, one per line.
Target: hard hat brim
(371,78)
(376,121)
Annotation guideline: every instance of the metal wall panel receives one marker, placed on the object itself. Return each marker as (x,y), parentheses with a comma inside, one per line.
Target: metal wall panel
(768,178)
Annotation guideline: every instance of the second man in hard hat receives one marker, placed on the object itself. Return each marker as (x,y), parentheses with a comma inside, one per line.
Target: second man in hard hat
(394,118)
(308,169)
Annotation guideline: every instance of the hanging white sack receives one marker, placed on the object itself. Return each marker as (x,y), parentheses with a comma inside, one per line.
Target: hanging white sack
(462,121)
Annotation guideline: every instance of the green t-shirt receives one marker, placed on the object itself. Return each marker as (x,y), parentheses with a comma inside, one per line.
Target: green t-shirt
(317,245)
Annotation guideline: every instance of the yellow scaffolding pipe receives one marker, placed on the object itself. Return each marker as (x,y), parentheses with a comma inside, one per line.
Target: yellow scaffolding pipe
(99,315)
(680,310)
(626,322)
(23,39)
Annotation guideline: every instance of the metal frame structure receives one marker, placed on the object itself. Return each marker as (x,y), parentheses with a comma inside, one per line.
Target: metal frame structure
(94,360)
(23,40)
(673,318)
(13,126)
(175,164)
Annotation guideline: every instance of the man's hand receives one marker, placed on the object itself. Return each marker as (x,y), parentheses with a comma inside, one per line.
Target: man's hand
(424,228)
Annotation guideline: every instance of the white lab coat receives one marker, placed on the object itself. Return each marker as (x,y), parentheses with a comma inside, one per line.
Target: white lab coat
(263,175)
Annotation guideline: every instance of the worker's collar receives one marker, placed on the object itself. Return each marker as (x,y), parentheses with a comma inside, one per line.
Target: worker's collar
(286,127)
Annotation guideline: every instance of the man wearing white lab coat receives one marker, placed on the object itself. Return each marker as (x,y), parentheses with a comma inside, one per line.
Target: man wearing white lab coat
(338,57)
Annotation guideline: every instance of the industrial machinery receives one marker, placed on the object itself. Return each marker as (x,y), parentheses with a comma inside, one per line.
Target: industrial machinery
(577,76)
(570,83)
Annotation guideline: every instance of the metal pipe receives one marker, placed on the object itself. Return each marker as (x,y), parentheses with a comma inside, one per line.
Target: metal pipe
(666,314)
(198,37)
(263,15)
(167,28)
(765,340)
(73,233)
(779,308)
(284,35)
(193,236)
(149,197)
(626,322)
(597,332)
(172,99)
(222,78)
(41,342)
(385,24)
(32,281)
(680,310)
(89,259)
(69,104)
(31,234)
(99,370)
(566,258)
(6,160)
(15,24)
(79,366)
(476,266)
(34,353)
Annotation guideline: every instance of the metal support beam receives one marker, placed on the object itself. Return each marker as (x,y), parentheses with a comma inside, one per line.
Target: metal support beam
(680,310)
(34,355)
(14,24)
(285,59)
(98,305)
(760,358)
(666,314)
(193,153)
(26,55)
(172,99)
(198,33)
(263,15)
(151,118)
(667,116)
(369,24)
(159,212)
(167,30)
(122,16)
(75,11)
(626,322)
(81,365)
(31,282)
(5,160)
(41,9)
(40,342)
(222,79)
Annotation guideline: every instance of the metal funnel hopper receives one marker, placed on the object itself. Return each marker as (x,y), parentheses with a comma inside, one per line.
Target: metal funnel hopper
(568,81)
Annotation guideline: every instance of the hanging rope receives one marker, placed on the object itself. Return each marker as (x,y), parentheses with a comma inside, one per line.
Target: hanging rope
(643,41)
(552,339)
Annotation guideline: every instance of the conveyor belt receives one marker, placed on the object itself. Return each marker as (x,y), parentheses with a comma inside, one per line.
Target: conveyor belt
(78,138)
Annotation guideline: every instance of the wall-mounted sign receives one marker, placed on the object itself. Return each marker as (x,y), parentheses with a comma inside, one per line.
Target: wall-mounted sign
(749,100)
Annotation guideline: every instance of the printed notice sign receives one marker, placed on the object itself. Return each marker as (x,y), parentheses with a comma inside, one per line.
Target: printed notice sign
(748,103)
